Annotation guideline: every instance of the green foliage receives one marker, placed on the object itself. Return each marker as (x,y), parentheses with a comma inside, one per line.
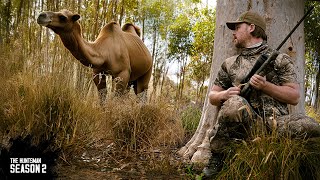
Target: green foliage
(157,16)
(190,119)
(312,35)
(202,54)
(203,30)
(180,42)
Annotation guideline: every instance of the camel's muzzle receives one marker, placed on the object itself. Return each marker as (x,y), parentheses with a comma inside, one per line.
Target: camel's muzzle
(44,19)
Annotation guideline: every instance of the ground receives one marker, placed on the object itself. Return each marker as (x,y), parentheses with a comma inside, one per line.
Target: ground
(107,163)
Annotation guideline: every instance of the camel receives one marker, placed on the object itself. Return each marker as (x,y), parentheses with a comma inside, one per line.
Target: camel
(117,52)
(129,27)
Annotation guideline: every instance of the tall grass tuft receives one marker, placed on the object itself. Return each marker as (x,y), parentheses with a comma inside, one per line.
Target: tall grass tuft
(56,105)
(137,126)
(49,106)
(270,156)
(190,119)
(44,107)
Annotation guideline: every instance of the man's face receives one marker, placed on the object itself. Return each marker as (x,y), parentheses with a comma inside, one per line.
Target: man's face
(241,35)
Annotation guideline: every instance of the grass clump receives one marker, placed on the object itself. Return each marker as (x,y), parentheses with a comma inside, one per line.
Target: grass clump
(137,125)
(190,118)
(270,156)
(48,107)
(43,108)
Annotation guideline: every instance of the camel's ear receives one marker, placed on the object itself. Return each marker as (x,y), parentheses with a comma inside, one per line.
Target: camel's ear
(75,17)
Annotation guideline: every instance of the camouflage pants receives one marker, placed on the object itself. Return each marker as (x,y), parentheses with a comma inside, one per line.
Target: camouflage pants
(236,119)
(297,125)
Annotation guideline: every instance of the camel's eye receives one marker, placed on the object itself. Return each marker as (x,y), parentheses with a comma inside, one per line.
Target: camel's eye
(62,18)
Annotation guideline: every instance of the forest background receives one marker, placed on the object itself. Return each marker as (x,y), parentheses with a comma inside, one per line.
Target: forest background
(45,90)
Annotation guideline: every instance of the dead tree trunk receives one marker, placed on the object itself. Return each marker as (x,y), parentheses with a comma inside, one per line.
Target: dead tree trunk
(279,23)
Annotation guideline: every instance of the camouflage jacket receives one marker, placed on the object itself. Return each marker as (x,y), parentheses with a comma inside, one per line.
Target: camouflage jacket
(280,71)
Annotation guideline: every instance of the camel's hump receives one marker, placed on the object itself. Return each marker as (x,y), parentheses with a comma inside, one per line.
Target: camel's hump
(129,27)
(112,27)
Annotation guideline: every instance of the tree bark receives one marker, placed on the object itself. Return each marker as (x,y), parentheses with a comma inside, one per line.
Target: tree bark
(316,90)
(279,24)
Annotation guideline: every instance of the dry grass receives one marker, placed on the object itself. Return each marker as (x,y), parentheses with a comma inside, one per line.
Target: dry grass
(44,108)
(270,156)
(48,106)
(312,113)
(46,103)
(139,126)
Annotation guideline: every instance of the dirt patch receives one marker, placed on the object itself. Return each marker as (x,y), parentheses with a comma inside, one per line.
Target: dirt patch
(108,163)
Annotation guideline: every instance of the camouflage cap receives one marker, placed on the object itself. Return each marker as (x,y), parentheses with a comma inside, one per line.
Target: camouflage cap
(248,17)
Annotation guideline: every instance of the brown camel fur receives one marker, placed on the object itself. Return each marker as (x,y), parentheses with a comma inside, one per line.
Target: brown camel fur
(116,52)
(129,27)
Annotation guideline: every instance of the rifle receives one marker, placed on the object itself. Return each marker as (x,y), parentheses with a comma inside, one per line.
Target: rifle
(264,59)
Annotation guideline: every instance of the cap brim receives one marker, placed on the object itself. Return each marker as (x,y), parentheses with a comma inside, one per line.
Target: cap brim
(232,24)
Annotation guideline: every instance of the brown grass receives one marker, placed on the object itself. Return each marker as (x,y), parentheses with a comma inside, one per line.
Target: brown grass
(55,102)
(46,106)
(271,156)
(139,126)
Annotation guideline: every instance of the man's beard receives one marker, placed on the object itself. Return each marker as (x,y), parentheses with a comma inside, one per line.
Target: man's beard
(238,44)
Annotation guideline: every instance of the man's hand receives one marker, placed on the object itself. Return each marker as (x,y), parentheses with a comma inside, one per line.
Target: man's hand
(217,94)
(231,92)
(258,82)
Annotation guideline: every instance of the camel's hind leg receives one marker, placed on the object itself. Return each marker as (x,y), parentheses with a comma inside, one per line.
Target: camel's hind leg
(100,81)
(121,82)
(141,88)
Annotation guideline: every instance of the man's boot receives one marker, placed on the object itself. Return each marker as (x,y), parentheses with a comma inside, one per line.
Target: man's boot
(214,166)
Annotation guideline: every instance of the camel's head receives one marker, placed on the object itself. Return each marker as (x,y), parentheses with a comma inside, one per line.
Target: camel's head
(59,22)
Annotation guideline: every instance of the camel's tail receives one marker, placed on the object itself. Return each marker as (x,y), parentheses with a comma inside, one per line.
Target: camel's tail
(131,28)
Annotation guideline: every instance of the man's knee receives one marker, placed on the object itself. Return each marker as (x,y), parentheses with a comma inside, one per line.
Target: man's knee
(234,110)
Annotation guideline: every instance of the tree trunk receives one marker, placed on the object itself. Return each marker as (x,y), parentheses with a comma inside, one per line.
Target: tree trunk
(122,11)
(182,75)
(279,24)
(7,20)
(155,71)
(96,20)
(316,89)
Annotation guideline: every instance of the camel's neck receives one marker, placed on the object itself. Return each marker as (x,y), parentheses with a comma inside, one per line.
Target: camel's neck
(79,48)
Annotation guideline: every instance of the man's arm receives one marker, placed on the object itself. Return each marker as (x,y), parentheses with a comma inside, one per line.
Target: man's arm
(286,93)
(217,95)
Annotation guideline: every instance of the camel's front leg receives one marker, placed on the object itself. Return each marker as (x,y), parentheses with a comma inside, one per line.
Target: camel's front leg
(100,81)
(121,82)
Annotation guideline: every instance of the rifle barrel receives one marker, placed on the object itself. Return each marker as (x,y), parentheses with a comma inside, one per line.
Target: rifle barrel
(294,28)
